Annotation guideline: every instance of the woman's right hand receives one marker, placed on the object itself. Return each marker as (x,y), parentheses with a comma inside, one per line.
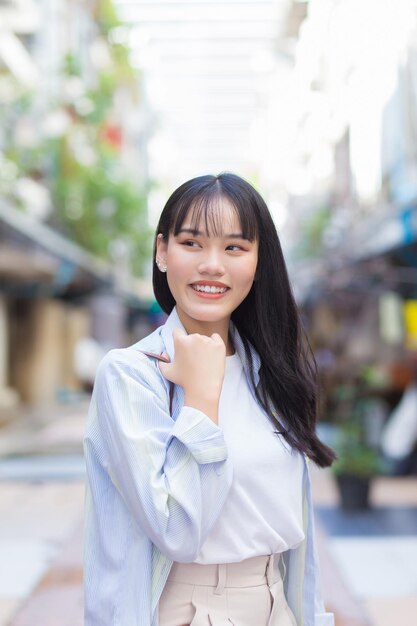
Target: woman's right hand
(198,367)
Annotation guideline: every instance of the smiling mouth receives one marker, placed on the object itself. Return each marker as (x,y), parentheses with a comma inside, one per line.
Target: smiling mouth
(209,289)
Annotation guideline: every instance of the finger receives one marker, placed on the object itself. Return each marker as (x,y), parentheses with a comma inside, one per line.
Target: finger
(178,333)
(216,337)
(164,369)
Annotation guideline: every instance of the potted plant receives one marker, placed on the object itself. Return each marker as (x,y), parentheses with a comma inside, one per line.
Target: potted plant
(357,457)
(357,462)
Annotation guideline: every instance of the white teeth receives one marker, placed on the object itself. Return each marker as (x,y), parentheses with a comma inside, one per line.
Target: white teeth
(209,289)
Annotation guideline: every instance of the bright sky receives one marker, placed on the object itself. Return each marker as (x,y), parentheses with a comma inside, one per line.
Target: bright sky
(228,86)
(208,67)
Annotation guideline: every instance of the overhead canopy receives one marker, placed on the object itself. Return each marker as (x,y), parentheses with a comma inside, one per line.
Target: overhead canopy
(35,259)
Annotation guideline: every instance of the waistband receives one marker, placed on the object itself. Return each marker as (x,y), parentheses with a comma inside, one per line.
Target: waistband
(258,570)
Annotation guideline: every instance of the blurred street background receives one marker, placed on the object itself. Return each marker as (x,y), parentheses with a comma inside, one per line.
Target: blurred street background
(106,106)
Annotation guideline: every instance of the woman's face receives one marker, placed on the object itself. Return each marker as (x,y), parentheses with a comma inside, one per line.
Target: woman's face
(209,275)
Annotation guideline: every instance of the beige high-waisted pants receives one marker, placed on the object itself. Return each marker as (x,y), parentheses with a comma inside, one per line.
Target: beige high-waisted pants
(249,593)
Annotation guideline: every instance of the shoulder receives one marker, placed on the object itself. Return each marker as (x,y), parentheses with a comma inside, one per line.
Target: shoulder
(131,364)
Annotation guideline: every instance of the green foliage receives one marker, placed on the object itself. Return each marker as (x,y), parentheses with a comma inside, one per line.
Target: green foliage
(310,242)
(100,207)
(96,201)
(354,455)
(71,65)
(106,16)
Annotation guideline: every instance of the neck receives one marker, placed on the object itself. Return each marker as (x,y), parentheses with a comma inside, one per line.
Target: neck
(208,328)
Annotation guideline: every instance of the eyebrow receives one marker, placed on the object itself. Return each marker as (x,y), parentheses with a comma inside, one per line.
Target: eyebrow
(198,232)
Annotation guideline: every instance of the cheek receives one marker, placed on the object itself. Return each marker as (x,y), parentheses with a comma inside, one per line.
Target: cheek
(177,272)
(178,266)
(249,270)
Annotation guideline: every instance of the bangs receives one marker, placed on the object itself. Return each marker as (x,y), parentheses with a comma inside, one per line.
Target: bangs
(210,207)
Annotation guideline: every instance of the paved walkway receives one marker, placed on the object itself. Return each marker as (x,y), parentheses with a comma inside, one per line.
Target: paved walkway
(41,509)
(368,579)
(40,565)
(373,554)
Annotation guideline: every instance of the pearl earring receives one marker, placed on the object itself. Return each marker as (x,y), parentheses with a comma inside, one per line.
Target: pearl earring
(161,267)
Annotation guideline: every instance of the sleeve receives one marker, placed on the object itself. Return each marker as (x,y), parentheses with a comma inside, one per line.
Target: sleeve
(302,576)
(172,475)
(321,616)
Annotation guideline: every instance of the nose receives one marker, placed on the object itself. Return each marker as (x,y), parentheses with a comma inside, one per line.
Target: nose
(212,264)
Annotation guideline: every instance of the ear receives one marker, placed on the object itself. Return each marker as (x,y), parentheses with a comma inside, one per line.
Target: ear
(161,248)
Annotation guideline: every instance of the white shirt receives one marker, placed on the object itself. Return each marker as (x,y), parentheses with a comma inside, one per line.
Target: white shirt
(263,511)
(156,484)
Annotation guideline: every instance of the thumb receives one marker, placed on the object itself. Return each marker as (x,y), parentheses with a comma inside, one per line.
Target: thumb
(216,337)
(164,368)
(165,365)
(177,333)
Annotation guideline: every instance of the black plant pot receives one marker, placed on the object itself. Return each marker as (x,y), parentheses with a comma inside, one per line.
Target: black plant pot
(354,491)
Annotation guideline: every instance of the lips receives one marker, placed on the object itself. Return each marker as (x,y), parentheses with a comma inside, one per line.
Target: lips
(209,287)
(209,283)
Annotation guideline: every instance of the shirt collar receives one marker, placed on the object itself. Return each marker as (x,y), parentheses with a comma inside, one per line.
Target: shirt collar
(174,321)
(168,328)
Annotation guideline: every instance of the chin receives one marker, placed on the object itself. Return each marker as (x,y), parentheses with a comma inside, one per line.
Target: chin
(207,315)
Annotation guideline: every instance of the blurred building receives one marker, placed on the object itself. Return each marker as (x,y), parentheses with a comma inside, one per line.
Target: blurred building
(72,160)
(355,116)
(351,170)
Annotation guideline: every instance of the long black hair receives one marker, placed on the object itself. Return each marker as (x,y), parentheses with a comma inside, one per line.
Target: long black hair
(268,317)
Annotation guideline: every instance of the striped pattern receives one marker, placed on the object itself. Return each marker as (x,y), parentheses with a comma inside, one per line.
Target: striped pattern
(155,486)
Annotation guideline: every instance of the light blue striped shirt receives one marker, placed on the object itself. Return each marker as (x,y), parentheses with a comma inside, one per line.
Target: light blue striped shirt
(156,485)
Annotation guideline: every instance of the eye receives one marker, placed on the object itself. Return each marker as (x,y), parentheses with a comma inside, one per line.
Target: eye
(235,246)
(189,243)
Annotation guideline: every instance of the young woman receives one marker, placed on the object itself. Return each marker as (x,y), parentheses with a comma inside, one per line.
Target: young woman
(198,507)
